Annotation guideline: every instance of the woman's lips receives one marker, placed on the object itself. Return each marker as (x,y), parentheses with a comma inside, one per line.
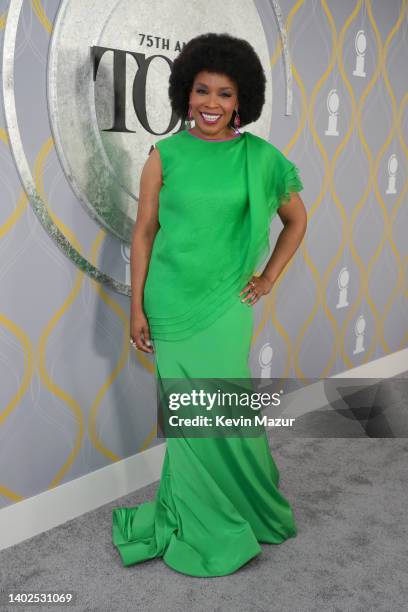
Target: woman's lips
(209,120)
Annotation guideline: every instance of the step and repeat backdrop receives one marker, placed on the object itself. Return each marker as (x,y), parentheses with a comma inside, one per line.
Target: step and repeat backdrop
(84,92)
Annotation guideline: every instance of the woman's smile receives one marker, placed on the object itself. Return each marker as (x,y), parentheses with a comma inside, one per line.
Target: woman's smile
(210,118)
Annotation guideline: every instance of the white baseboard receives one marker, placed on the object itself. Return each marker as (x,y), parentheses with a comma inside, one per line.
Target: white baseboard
(313,396)
(42,512)
(383,367)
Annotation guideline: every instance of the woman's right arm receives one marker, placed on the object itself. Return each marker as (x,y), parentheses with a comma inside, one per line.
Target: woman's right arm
(143,235)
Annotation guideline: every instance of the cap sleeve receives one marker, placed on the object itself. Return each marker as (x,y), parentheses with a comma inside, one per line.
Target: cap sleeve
(163,146)
(287,179)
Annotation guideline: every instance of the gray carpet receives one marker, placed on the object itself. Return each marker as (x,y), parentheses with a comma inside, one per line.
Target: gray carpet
(350,499)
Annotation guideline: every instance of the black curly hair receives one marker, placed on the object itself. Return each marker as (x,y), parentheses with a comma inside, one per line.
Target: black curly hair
(223,54)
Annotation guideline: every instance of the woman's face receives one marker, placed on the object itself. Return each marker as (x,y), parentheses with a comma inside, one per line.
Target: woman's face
(215,96)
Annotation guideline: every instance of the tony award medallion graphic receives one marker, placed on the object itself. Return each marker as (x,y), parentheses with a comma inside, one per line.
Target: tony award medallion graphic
(106,102)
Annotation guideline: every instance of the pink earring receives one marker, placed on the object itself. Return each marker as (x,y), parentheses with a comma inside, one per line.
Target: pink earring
(188,122)
(237,120)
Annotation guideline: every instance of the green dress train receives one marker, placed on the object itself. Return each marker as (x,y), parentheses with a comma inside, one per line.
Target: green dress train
(218,497)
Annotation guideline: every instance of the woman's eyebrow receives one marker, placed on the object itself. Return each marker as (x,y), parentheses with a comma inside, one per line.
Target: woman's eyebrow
(204,85)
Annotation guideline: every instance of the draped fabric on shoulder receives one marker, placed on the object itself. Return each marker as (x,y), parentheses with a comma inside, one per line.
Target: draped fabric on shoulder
(215,267)
(272,177)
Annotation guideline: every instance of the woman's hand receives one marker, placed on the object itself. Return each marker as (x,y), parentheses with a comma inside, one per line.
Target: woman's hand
(257,287)
(140,332)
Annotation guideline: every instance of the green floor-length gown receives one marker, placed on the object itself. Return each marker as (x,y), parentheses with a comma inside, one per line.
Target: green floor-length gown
(218,497)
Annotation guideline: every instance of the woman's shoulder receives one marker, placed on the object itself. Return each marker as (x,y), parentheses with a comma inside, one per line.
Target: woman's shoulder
(271,156)
(169,140)
(263,144)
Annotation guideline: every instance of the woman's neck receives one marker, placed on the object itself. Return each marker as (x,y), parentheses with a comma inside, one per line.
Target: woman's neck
(200,134)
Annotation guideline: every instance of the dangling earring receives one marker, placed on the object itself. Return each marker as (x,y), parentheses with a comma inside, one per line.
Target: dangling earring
(189,120)
(237,121)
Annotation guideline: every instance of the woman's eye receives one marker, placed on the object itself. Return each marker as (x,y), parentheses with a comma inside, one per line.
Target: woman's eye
(227,95)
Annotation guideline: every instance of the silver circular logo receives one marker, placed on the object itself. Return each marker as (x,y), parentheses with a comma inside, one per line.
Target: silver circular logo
(107,80)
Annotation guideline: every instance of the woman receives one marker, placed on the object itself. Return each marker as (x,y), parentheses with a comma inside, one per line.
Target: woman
(207,196)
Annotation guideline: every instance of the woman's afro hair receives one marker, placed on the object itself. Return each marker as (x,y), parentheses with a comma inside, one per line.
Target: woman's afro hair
(222,54)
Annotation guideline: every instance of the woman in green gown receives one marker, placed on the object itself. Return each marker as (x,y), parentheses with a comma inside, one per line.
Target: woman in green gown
(207,197)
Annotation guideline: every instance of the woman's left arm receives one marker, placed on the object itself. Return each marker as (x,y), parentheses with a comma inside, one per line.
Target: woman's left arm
(293,215)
